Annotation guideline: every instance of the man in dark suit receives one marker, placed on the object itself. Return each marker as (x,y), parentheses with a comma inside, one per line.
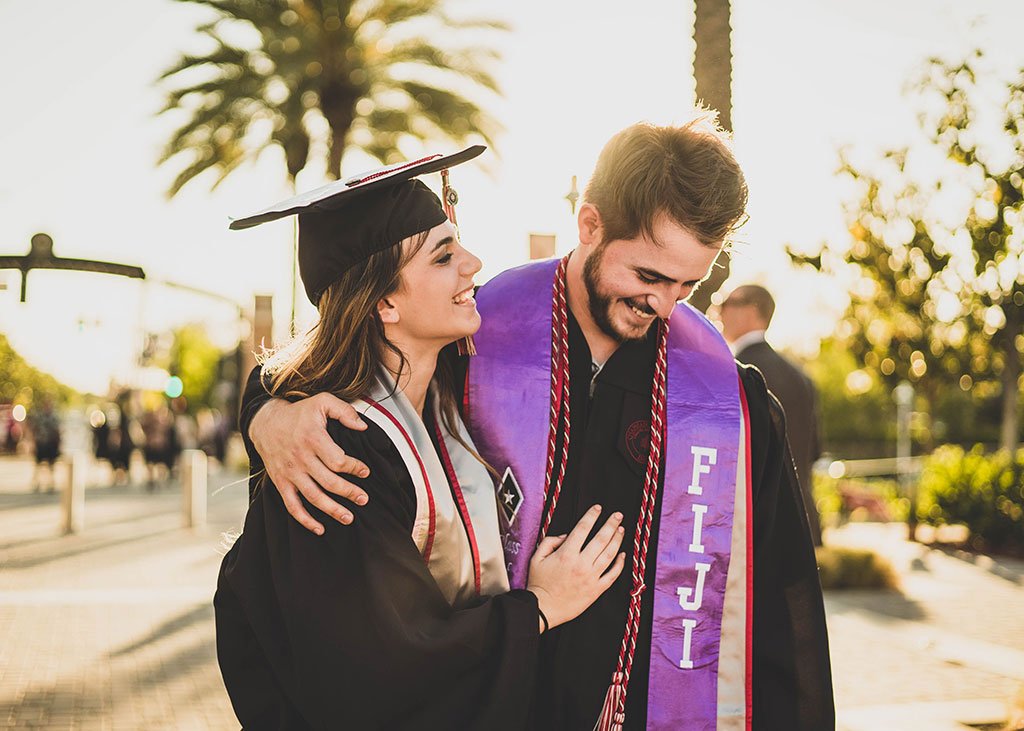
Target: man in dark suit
(745,315)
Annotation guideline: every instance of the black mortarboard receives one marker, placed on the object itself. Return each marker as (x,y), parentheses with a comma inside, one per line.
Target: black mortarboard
(345,222)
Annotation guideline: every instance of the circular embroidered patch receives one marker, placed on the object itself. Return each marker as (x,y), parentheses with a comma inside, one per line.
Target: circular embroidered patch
(638,440)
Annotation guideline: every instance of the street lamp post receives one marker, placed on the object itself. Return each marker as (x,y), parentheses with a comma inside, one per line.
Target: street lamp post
(903,394)
(40,256)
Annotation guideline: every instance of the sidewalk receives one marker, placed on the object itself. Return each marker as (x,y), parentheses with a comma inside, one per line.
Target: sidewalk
(113,628)
(945,652)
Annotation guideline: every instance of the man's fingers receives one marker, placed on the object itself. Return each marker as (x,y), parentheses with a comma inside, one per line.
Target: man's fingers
(349,465)
(335,408)
(338,485)
(321,500)
(294,506)
(601,539)
(335,458)
(582,530)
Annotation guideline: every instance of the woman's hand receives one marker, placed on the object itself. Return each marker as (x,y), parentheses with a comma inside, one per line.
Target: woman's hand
(300,456)
(567,576)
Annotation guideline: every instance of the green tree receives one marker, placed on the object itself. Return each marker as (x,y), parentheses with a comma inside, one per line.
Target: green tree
(20,383)
(194,359)
(994,161)
(894,326)
(324,76)
(937,299)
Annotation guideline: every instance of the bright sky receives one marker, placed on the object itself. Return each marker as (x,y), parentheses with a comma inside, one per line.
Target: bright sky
(78,143)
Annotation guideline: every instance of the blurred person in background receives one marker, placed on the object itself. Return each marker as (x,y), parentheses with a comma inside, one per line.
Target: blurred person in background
(10,429)
(212,433)
(745,316)
(161,444)
(120,443)
(44,424)
(112,442)
(185,430)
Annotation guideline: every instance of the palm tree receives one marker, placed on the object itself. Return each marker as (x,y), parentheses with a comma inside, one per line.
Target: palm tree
(320,75)
(367,69)
(712,70)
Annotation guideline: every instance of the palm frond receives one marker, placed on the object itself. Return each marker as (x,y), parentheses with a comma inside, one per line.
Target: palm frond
(228,88)
(208,157)
(455,116)
(237,112)
(300,61)
(467,62)
(257,12)
(473,23)
(223,55)
(392,12)
(387,120)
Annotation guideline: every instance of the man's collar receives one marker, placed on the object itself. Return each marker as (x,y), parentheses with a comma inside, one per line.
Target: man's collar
(746,340)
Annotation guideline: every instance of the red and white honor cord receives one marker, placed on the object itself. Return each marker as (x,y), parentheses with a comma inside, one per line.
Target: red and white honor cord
(613,712)
(559,394)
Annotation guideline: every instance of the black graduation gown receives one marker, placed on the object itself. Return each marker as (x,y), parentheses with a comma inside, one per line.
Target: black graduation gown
(792,682)
(792,685)
(349,630)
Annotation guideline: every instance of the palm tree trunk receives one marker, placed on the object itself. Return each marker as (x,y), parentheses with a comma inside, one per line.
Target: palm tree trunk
(334,156)
(1009,432)
(712,58)
(712,71)
(292,329)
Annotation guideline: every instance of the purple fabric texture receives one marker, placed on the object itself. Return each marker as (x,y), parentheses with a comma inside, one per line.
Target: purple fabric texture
(509,418)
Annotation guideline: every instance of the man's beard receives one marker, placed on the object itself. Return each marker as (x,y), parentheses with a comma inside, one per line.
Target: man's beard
(600,304)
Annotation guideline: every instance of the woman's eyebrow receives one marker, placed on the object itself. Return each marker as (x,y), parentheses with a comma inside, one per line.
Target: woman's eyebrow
(443,242)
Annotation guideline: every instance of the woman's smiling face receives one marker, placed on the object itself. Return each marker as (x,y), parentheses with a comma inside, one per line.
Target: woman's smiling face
(434,303)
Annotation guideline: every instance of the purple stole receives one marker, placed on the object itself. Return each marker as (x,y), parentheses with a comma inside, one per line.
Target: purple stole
(509,417)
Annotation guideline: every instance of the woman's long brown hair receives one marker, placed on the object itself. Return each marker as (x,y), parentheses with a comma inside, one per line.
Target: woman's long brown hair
(343,352)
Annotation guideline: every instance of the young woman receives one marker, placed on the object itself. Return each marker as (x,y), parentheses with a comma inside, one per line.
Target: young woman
(403,619)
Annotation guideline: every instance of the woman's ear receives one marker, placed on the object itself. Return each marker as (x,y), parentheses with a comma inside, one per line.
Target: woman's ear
(388,312)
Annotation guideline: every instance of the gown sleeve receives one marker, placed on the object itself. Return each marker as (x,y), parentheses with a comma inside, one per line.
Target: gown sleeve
(792,678)
(352,630)
(253,397)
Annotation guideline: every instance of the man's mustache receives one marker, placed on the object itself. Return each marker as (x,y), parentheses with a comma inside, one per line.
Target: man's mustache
(640,305)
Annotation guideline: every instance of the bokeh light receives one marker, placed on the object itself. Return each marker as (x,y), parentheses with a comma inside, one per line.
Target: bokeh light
(174,387)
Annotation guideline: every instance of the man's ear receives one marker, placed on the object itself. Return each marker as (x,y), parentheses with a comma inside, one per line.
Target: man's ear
(388,312)
(591,228)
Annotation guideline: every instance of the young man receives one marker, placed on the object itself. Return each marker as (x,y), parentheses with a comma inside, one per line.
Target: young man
(745,315)
(719,622)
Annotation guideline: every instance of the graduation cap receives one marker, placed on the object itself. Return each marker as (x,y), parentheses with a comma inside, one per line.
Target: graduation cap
(345,222)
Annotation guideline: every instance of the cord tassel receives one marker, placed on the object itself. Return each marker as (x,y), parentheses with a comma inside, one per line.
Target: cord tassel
(466,346)
(612,715)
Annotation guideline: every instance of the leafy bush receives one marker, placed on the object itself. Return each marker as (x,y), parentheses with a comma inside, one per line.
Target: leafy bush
(838,500)
(983,491)
(854,568)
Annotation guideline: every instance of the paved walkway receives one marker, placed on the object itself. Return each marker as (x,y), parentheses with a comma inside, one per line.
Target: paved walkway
(113,628)
(944,652)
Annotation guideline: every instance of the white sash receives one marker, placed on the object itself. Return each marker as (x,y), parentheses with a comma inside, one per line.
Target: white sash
(456,525)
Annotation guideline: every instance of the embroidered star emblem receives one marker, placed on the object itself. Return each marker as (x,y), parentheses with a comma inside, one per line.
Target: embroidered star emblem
(511,497)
